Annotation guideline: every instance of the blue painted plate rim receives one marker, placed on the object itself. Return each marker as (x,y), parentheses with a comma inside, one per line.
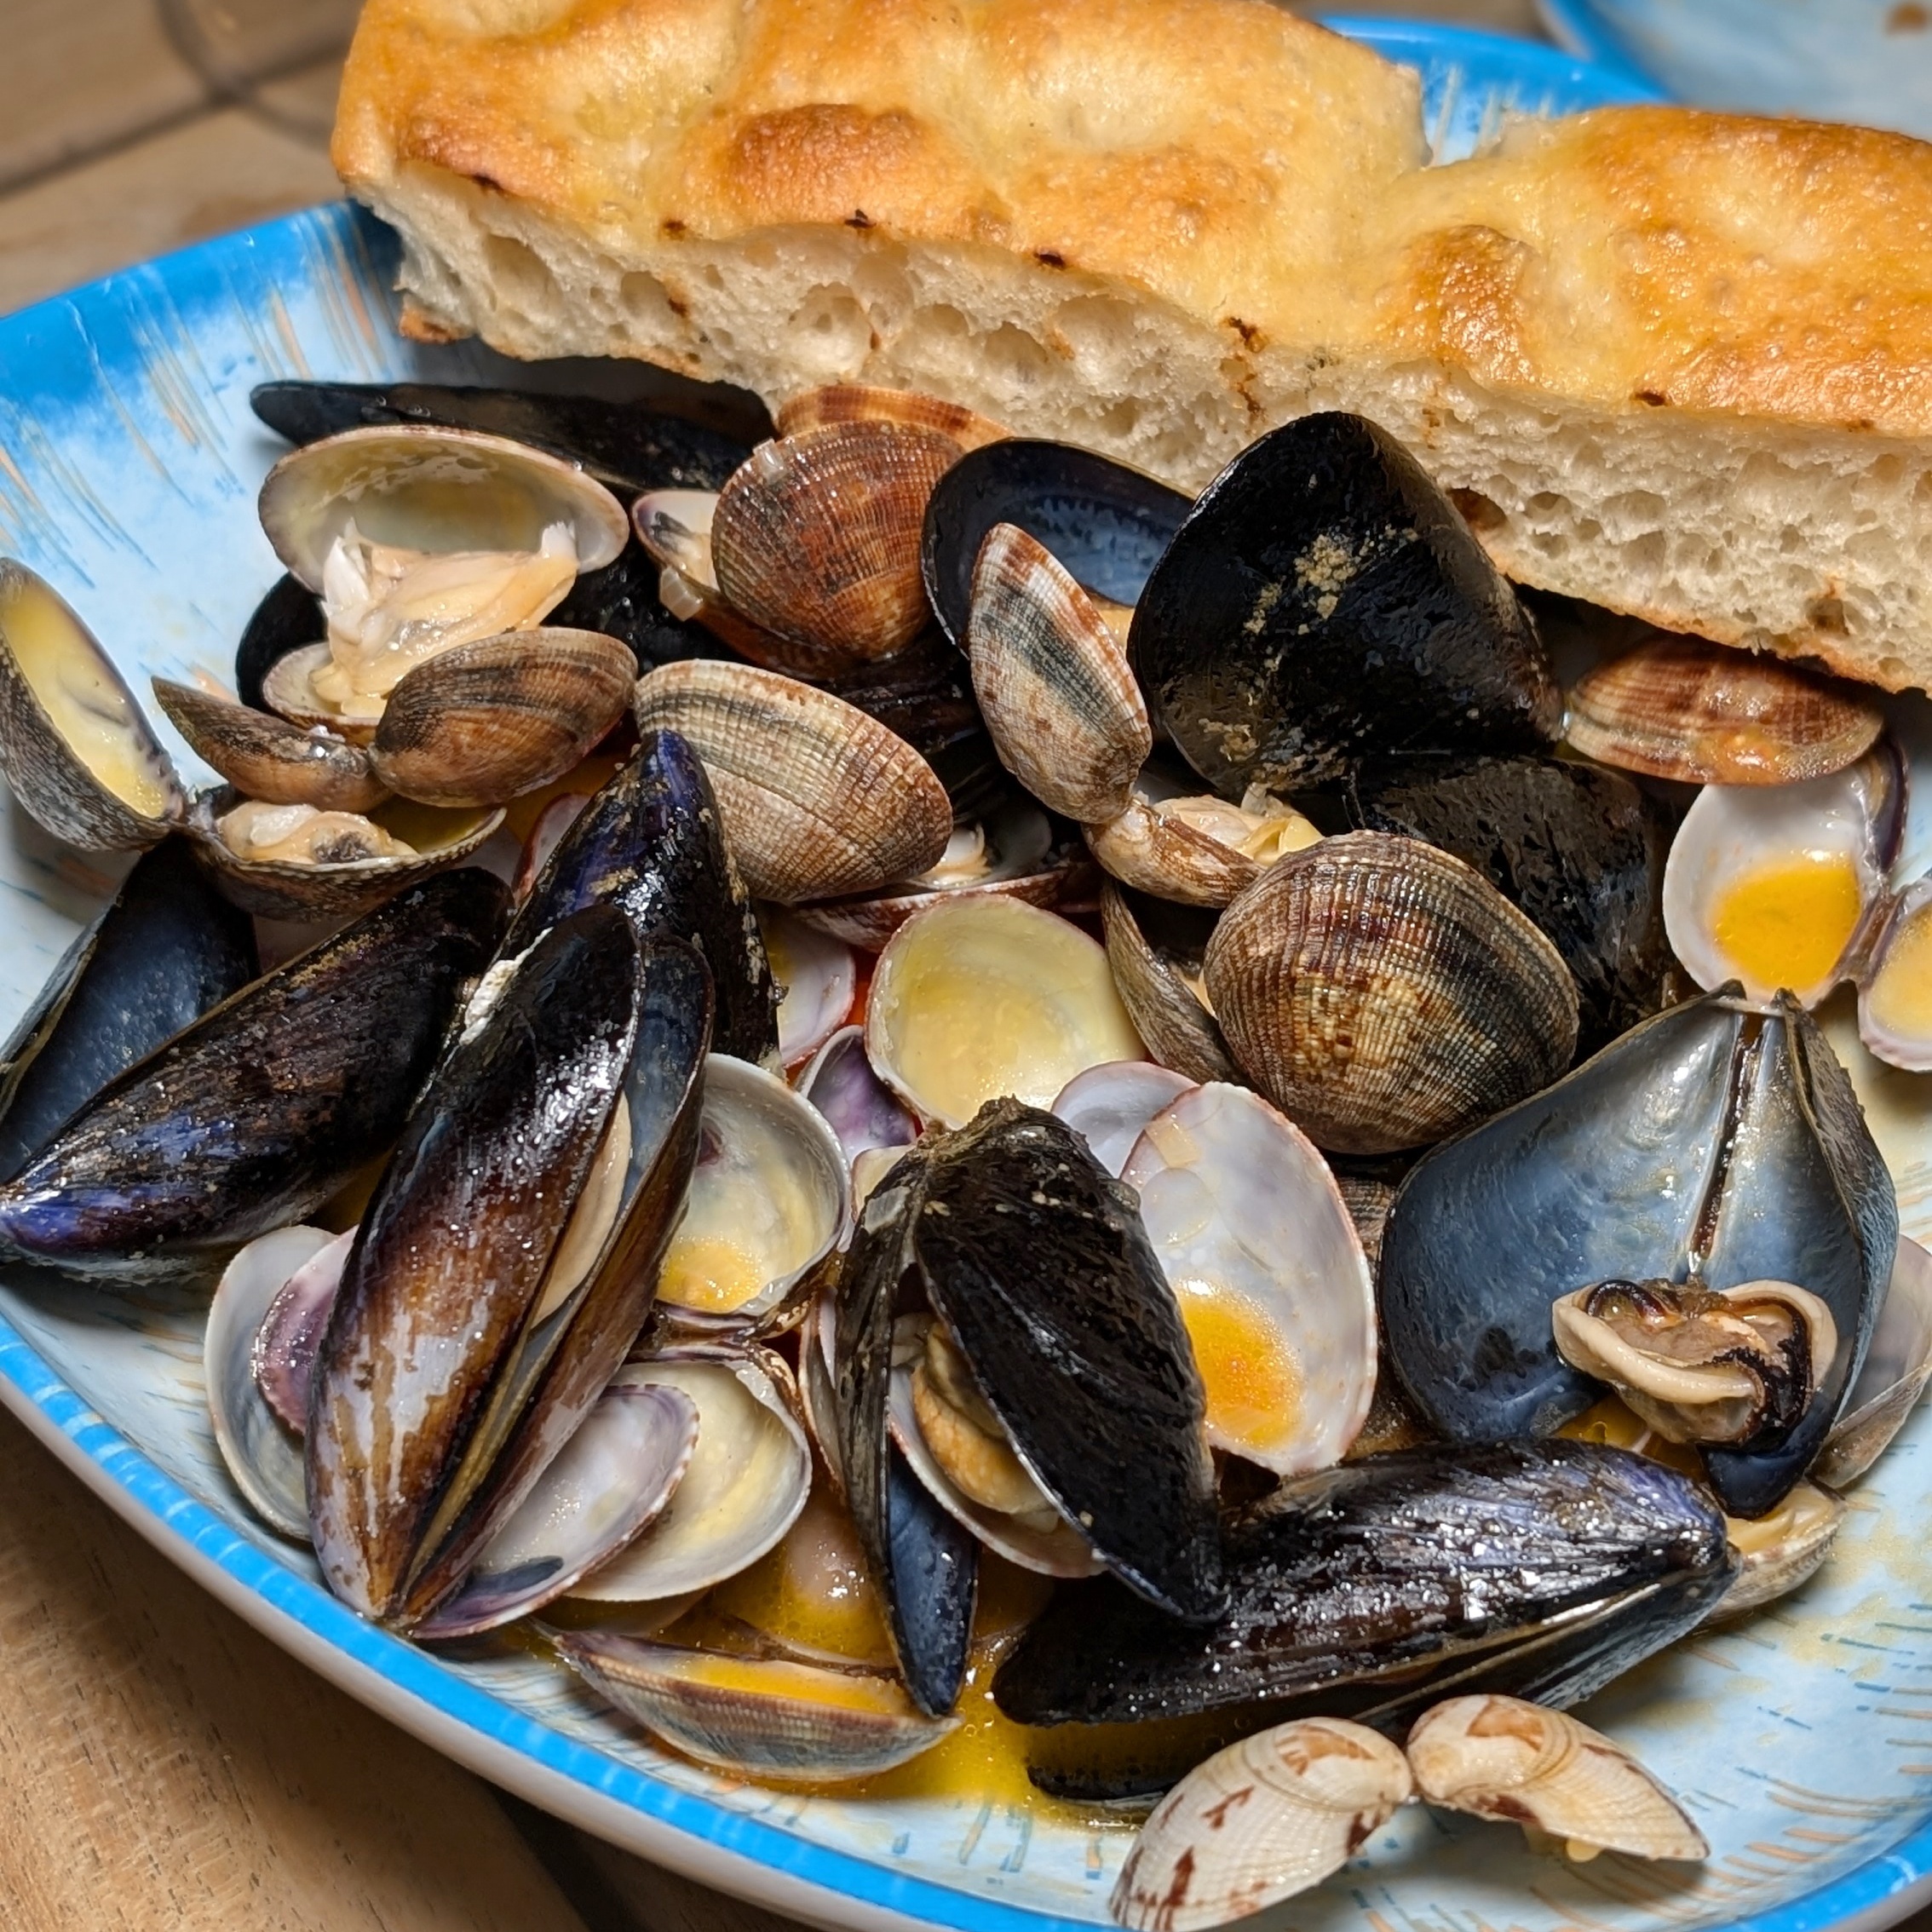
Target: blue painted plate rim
(787,1871)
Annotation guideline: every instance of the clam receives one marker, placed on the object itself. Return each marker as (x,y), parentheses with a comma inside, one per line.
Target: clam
(816,537)
(858,402)
(1156,952)
(558,1137)
(484,722)
(163,953)
(266,757)
(1269,1273)
(817,798)
(1013,853)
(650,843)
(851,1099)
(767,1202)
(1540,1569)
(282,1354)
(295,862)
(1301,1799)
(1108,1106)
(1200,850)
(1772,885)
(1679,707)
(1895,994)
(760,1717)
(1106,523)
(1053,685)
(1699,1365)
(978,998)
(1897,1367)
(1500,1757)
(1384,995)
(420,538)
(1780,1551)
(748,1480)
(1323,602)
(263,1108)
(73,744)
(1717,1136)
(816,977)
(288,619)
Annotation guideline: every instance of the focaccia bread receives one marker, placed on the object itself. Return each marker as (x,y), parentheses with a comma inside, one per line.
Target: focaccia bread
(1676,363)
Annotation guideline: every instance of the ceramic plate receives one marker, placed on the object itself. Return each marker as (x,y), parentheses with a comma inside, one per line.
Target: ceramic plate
(128,464)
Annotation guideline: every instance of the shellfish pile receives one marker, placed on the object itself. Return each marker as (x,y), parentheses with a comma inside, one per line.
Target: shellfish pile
(921,1070)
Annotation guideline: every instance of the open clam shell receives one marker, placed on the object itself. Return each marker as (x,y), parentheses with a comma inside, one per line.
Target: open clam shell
(1895,993)
(264,755)
(302,887)
(1175,843)
(760,1717)
(74,745)
(282,1356)
(817,976)
(1157,952)
(1109,1106)
(817,798)
(1780,1551)
(482,723)
(943,973)
(767,1202)
(1897,1367)
(749,1479)
(851,1100)
(1305,1795)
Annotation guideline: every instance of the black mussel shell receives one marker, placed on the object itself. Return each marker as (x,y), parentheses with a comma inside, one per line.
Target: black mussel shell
(629,445)
(650,843)
(167,949)
(925,695)
(1579,849)
(263,1108)
(1715,1138)
(1325,603)
(1106,523)
(1542,1569)
(289,617)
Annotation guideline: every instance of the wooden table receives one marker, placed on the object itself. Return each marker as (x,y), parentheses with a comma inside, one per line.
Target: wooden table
(161,1765)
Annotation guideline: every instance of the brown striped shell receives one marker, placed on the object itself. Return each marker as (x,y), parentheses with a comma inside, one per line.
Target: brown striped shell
(860,402)
(818,799)
(1385,995)
(1200,850)
(266,757)
(1166,1011)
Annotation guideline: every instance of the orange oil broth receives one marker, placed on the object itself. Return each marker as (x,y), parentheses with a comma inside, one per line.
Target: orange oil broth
(1611,1423)
(1785,924)
(1900,998)
(592,775)
(1253,1384)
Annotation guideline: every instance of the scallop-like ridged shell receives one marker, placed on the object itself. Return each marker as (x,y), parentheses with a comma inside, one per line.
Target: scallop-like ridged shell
(817,536)
(818,799)
(1258,1822)
(1384,995)
(860,402)
(1053,685)
(1500,1757)
(1679,707)
(1179,1031)
(266,757)
(50,776)
(482,723)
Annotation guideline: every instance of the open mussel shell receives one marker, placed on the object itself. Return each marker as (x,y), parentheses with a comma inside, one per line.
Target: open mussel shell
(264,755)
(1383,994)
(1175,843)
(1053,687)
(433,490)
(75,748)
(1502,1757)
(749,1478)
(1109,1106)
(1541,1570)
(1323,602)
(262,1454)
(482,723)
(817,536)
(262,1109)
(1307,1795)
(169,948)
(1779,1551)
(947,969)
(760,1717)
(1772,886)
(767,1202)
(650,843)
(1269,1273)
(1701,713)
(1897,1367)
(559,1135)
(612,1481)
(1580,851)
(301,886)
(818,799)
(1157,952)
(1106,523)
(861,402)
(1716,1131)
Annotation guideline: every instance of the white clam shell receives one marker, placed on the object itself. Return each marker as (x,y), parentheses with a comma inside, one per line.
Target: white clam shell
(1258,1822)
(1110,1105)
(818,978)
(1897,1365)
(1500,1757)
(1780,1551)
